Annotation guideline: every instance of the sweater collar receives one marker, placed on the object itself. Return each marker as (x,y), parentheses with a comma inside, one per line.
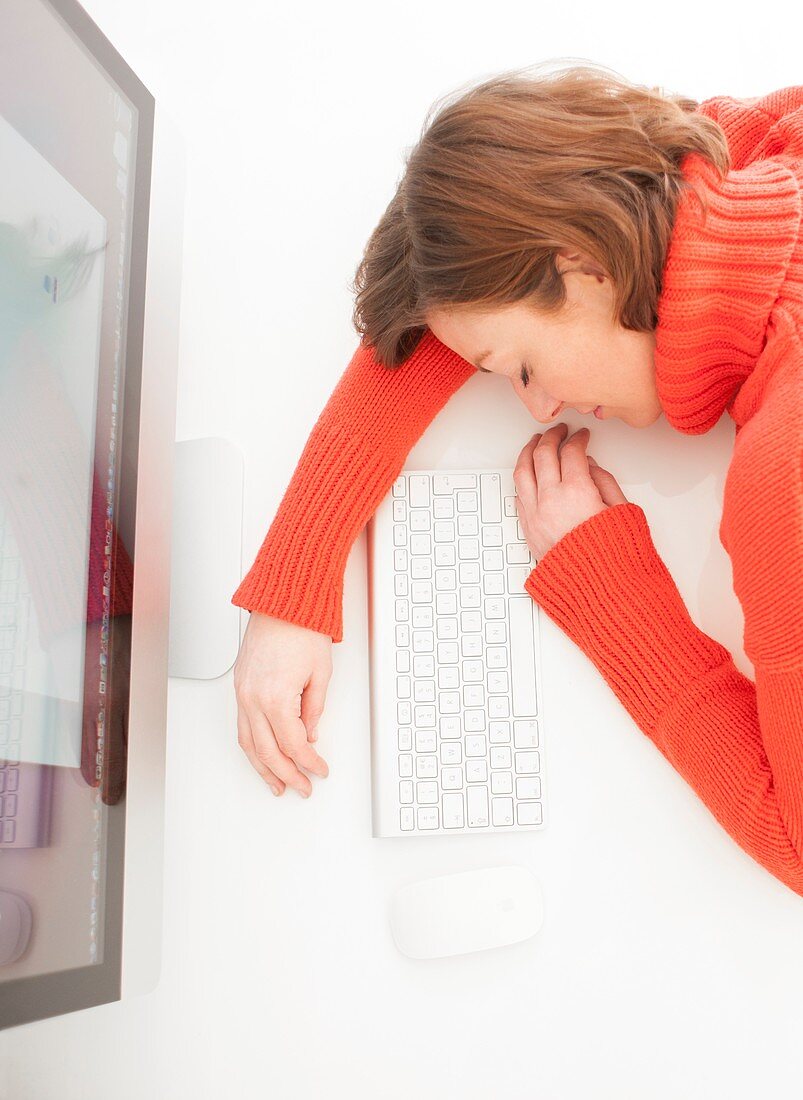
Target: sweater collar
(722,277)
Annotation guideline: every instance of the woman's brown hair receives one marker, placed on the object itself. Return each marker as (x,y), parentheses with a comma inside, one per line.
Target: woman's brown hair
(515,169)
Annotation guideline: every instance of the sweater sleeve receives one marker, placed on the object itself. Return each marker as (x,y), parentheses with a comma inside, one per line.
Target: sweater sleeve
(738,744)
(351,459)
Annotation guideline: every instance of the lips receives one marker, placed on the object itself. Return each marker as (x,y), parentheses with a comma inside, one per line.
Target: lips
(598,413)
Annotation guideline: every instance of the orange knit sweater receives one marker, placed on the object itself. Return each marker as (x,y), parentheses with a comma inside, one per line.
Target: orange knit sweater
(728,339)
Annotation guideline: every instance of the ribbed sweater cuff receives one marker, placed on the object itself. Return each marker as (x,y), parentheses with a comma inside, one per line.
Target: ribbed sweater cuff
(605,585)
(298,572)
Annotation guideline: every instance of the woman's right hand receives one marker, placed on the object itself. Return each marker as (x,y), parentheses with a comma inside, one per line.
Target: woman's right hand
(280,679)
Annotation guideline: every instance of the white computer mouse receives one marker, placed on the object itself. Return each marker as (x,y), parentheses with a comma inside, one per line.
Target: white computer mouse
(468,911)
(16,920)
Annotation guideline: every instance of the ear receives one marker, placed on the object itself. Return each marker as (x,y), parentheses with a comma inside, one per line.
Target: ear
(572,259)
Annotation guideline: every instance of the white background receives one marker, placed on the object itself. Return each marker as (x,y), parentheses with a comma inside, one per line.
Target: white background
(669,963)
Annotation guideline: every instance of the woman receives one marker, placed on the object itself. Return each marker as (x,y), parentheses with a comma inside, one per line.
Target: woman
(605,247)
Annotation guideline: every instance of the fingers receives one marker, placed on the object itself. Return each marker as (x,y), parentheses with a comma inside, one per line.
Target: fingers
(545,457)
(246,743)
(312,702)
(574,462)
(291,738)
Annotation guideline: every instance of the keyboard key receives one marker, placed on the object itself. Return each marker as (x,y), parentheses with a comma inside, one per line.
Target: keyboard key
(498,706)
(529,813)
(494,607)
(468,524)
(406,792)
(424,641)
(399,534)
(528,786)
(527,762)
(401,584)
(467,502)
(452,810)
(501,782)
(447,629)
(406,818)
(501,757)
(522,656)
(444,531)
(420,519)
(510,506)
(402,635)
(469,572)
(405,738)
(451,779)
(525,734)
(470,621)
(492,536)
(443,508)
(496,633)
(427,793)
(399,511)
(421,591)
(426,766)
(424,717)
(502,810)
(445,580)
(471,645)
(473,671)
(474,695)
(491,498)
(516,576)
(474,720)
(497,681)
(468,549)
(446,603)
(400,486)
(424,664)
(499,732)
(450,727)
(405,766)
(471,596)
(421,544)
(449,483)
(403,687)
(477,770)
(477,803)
(448,653)
(476,745)
(493,584)
(425,741)
(421,568)
(402,660)
(518,553)
(451,752)
(427,817)
(424,691)
(422,616)
(448,677)
(449,702)
(445,554)
(404,713)
(492,560)
(400,560)
(419,490)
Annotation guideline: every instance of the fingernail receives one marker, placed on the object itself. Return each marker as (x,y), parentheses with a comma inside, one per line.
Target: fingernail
(306,794)
(274,789)
(314,734)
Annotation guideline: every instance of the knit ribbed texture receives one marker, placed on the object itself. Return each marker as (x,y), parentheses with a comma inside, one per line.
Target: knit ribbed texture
(730,314)
(351,459)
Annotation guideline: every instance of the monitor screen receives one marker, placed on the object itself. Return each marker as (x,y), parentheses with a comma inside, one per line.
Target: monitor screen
(75,145)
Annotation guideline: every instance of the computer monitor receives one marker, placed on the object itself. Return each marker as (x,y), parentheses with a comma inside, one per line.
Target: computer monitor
(91,214)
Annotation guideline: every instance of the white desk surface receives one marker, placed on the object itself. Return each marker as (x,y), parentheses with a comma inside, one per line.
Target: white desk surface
(669,964)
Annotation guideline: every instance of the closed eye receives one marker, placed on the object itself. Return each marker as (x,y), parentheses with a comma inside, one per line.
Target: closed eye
(525,374)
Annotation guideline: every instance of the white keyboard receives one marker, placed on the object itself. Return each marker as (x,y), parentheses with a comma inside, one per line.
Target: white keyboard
(456,737)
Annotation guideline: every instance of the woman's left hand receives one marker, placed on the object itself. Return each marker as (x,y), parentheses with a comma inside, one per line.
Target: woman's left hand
(557,491)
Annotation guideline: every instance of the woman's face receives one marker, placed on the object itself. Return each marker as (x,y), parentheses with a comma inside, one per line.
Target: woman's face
(579,359)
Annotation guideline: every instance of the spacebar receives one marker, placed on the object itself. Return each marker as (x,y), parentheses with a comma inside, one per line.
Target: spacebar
(522,656)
